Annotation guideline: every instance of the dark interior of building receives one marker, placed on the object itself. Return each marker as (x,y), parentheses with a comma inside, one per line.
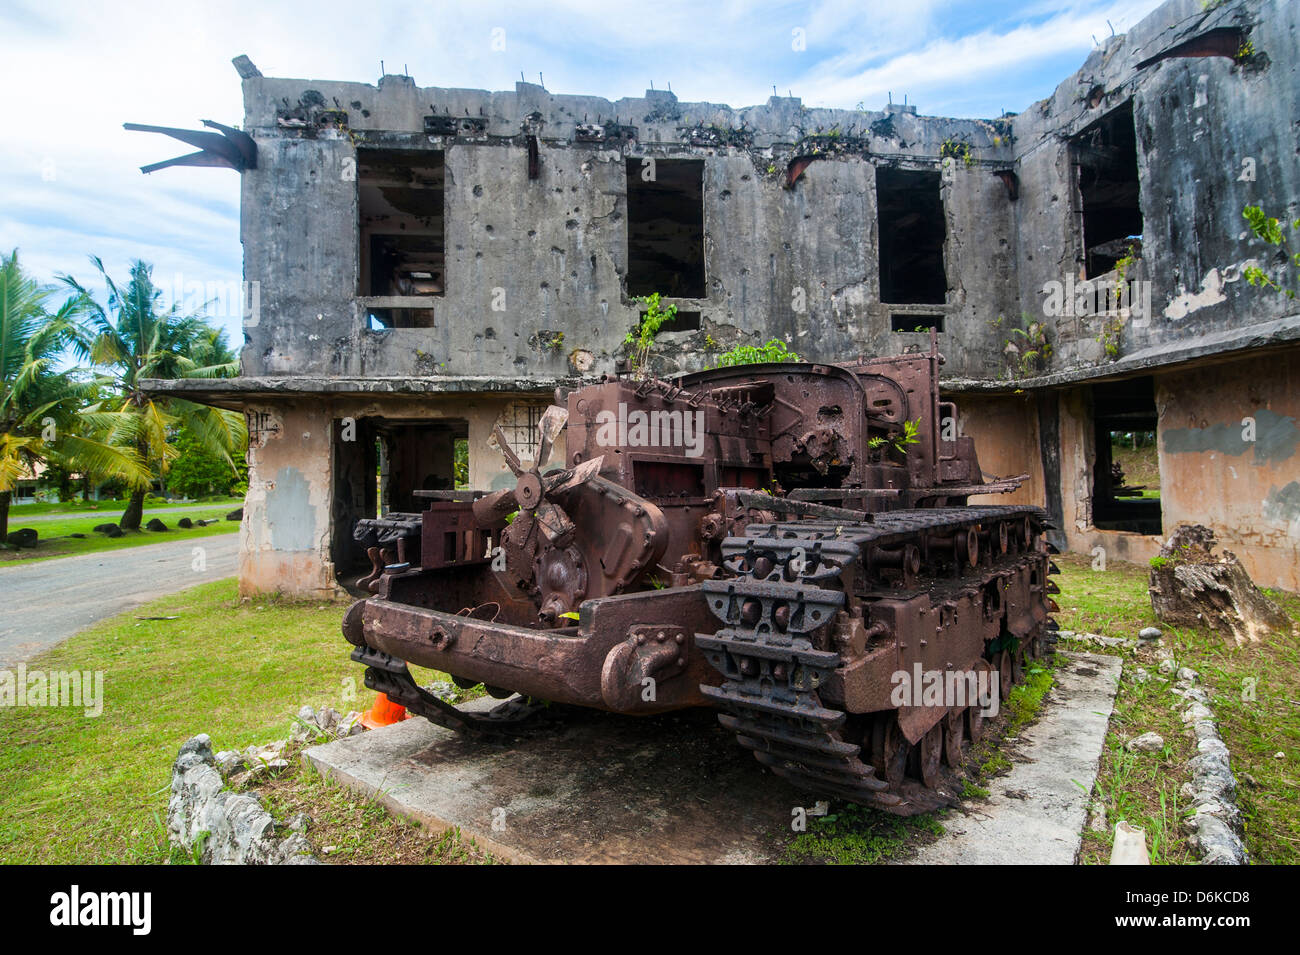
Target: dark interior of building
(665,228)
(403,248)
(1125,417)
(1105,156)
(912,231)
(379,464)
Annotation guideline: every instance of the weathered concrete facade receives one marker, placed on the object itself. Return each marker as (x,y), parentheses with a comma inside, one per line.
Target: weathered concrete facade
(429,262)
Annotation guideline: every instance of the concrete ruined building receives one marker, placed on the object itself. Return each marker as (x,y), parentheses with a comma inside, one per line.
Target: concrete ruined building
(425,263)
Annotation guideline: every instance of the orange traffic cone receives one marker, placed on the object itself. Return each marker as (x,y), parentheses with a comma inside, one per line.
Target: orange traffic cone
(384,713)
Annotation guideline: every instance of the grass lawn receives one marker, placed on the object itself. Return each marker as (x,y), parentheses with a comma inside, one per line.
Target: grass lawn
(1255,694)
(79,789)
(55,542)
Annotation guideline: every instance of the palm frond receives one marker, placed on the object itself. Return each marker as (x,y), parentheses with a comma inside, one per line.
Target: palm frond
(101,460)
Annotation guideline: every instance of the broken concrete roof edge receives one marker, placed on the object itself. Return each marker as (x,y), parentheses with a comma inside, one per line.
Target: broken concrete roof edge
(1163,27)
(217,388)
(625,107)
(1208,348)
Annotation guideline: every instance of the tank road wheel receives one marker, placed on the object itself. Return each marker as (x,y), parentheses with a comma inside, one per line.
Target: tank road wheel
(1018,663)
(1002,663)
(931,755)
(975,712)
(954,737)
(889,750)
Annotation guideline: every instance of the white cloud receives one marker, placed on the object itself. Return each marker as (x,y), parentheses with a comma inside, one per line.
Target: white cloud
(943,69)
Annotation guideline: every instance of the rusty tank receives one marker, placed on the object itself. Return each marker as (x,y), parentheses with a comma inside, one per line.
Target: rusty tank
(779,542)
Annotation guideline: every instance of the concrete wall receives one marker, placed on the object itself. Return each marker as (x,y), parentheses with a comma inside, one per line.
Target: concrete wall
(285,535)
(528,259)
(1007,439)
(1201,123)
(1077,459)
(1246,491)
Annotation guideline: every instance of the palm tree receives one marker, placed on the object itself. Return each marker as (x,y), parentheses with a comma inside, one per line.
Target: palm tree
(38,401)
(134,339)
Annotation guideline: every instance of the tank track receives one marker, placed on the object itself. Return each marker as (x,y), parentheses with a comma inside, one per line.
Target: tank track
(388,675)
(773,663)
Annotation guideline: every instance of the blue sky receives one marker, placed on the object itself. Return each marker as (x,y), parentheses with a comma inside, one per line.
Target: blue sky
(70,184)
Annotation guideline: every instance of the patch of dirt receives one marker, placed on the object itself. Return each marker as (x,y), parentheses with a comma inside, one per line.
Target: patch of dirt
(27,553)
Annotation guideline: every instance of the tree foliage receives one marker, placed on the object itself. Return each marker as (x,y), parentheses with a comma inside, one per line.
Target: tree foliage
(132,339)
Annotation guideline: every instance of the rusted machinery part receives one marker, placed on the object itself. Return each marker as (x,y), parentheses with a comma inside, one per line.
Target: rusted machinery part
(772,671)
(388,675)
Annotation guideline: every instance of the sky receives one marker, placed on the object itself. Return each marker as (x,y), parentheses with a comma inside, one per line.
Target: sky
(70,185)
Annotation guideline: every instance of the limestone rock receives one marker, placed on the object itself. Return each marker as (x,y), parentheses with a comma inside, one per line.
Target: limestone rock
(1148,634)
(1194,587)
(232,828)
(1146,743)
(229,762)
(327,719)
(349,725)
(269,753)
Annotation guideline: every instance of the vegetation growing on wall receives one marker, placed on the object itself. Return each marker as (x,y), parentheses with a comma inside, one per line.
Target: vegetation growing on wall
(642,338)
(773,350)
(957,149)
(1274,233)
(1028,350)
(901,441)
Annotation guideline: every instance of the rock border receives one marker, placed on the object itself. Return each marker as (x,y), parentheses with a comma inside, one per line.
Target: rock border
(1215,827)
(226,827)
(222,827)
